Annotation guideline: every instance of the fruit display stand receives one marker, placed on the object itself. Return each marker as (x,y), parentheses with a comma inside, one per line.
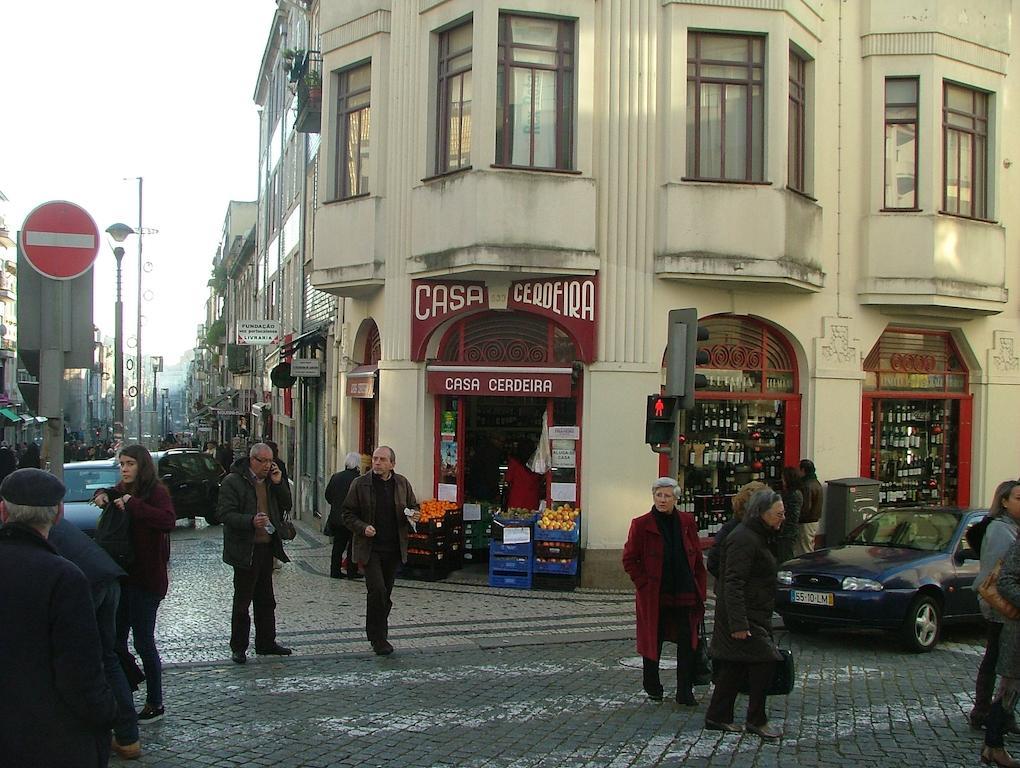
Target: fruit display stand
(511,556)
(435,548)
(556,550)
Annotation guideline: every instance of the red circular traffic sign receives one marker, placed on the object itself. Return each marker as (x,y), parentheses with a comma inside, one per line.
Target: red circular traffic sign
(60,240)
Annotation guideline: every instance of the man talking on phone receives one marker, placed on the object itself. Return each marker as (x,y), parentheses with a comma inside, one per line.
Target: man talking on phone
(253,498)
(379,509)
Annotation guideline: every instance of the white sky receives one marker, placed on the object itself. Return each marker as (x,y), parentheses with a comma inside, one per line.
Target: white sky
(94,92)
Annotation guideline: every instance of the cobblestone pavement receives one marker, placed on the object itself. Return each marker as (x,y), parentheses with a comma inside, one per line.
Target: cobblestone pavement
(512,679)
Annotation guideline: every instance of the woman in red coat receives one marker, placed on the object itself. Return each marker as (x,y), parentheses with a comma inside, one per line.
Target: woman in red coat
(147,500)
(663,559)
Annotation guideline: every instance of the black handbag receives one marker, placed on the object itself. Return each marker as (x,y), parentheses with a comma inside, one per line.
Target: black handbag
(701,668)
(782,675)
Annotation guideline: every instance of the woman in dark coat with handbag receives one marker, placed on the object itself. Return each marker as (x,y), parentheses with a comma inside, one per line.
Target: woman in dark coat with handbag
(742,645)
(662,556)
(1008,666)
(1001,531)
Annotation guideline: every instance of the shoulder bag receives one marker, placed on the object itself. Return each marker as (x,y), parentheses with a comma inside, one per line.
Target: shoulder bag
(989,590)
(702,667)
(288,530)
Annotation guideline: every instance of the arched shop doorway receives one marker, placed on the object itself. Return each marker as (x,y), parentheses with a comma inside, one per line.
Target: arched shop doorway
(916,419)
(745,425)
(363,386)
(498,379)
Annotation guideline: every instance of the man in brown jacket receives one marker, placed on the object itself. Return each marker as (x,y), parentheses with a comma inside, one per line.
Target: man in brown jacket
(374,510)
(811,512)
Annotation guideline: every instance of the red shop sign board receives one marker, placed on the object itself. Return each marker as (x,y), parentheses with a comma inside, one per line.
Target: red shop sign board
(570,302)
(512,383)
(60,240)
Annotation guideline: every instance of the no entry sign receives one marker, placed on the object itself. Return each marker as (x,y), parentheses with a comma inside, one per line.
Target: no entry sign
(60,240)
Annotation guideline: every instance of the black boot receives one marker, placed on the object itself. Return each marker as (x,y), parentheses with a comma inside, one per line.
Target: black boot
(650,679)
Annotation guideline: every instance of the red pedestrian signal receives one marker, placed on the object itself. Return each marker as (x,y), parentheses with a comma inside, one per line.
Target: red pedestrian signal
(660,419)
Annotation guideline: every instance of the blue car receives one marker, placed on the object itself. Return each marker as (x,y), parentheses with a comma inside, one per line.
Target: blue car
(82,479)
(907,570)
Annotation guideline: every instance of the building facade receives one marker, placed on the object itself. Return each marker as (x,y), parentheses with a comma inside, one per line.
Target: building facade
(511,199)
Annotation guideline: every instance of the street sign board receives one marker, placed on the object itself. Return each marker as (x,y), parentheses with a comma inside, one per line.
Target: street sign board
(305,366)
(258,332)
(60,240)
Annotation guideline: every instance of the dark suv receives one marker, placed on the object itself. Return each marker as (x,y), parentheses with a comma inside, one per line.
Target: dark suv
(193,479)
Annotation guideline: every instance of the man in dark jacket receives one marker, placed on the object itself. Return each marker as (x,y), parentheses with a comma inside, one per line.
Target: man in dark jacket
(811,511)
(336,491)
(253,498)
(375,511)
(57,709)
(104,576)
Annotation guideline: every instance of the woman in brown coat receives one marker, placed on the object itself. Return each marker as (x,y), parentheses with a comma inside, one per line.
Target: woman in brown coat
(742,646)
(662,556)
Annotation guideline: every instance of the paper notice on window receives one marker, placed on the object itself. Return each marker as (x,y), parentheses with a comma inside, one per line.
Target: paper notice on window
(446,492)
(563,491)
(472,512)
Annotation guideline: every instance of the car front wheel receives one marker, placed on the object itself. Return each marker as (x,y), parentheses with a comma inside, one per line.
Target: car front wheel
(922,625)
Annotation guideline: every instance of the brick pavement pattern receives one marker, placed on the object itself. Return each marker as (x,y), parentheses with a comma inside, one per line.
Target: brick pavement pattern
(487,677)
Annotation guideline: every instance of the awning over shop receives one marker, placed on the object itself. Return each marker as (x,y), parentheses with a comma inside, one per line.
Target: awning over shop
(361,381)
(313,338)
(10,415)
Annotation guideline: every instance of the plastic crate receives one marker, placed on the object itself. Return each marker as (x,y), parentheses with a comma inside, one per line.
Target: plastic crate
(555,549)
(508,521)
(510,563)
(513,581)
(554,582)
(499,548)
(479,540)
(550,566)
(430,572)
(541,534)
(426,558)
(476,555)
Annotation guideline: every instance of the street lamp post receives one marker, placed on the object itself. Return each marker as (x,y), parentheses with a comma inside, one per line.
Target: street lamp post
(165,391)
(118,232)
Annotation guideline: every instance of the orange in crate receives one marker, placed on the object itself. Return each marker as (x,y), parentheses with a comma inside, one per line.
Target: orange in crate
(434,509)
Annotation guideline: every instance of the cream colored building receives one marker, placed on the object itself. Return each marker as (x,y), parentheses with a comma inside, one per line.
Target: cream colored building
(830,184)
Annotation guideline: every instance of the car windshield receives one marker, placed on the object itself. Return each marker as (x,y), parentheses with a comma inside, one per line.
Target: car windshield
(83,482)
(928,530)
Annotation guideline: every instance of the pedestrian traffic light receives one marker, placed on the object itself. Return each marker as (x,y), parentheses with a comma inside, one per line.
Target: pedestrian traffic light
(660,419)
(683,356)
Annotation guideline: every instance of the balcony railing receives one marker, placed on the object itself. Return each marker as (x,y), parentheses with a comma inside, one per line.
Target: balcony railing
(306,74)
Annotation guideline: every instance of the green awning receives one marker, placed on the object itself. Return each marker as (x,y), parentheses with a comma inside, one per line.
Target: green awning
(10,415)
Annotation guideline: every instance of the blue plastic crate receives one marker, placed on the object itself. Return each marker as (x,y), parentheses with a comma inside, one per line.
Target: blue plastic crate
(499,548)
(542,534)
(513,563)
(546,566)
(514,581)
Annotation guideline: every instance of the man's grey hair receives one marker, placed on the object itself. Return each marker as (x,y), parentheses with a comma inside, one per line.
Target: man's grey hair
(665,482)
(258,448)
(393,454)
(36,517)
(760,503)
(352,460)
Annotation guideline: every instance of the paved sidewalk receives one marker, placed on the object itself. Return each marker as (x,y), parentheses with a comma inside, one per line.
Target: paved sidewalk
(492,678)
(319,615)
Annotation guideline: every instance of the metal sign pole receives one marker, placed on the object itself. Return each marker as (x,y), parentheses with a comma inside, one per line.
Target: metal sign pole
(55,296)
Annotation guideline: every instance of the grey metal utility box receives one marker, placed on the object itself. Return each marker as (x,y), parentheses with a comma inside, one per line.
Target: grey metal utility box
(849,501)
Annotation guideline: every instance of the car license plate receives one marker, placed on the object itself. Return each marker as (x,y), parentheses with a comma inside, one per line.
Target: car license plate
(812,598)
